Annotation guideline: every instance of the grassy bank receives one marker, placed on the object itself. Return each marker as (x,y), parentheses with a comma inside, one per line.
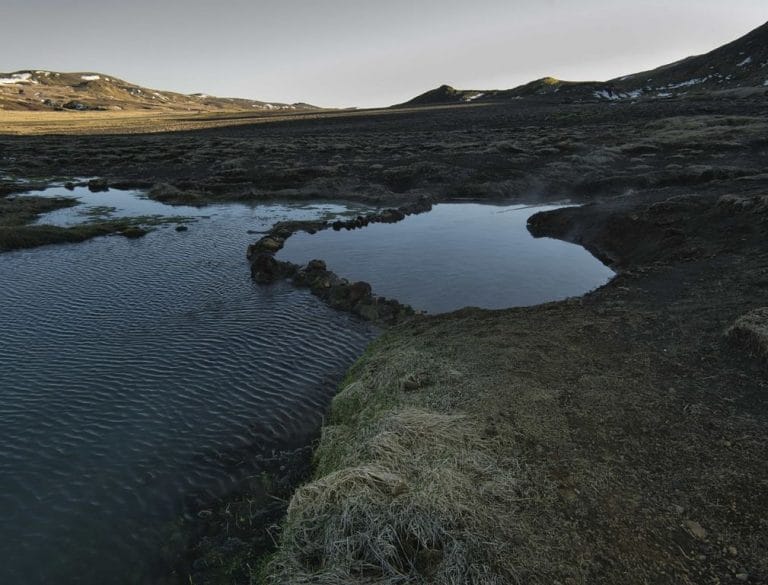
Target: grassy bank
(405,487)
(600,440)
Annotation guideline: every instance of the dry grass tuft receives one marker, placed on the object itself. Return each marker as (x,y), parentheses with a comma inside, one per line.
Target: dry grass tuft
(403,493)
(425,503)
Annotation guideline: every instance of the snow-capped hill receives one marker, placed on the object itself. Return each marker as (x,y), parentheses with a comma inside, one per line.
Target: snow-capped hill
(40,90)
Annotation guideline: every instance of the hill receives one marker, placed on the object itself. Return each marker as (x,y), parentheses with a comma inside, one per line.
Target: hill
(36,90)
(738,68)
(445,94)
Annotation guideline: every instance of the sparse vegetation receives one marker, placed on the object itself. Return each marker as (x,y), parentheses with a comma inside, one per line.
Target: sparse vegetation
(18,237)
(16,210)
(17,232)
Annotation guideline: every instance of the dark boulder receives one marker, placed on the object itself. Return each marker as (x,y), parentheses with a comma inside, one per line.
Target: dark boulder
(265,268)
(98,185)
(316,266)
(359,291)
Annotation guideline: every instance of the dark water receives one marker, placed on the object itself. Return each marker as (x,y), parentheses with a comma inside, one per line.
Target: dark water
(457,255)
(131,371)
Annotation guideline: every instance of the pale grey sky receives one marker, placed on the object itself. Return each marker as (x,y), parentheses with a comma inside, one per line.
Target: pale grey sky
(361,52)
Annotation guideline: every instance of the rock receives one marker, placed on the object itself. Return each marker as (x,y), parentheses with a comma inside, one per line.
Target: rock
(742,576)
(751,332)
(696,529)
(316,266)
(301,278)
(338,297)
(69,186)
(359,291)
(98,185)
(270,244)
(367,311)
(391,216)
(385,311)
(322,283)
(181,228)
(133,233)
(75,105)
(265,269)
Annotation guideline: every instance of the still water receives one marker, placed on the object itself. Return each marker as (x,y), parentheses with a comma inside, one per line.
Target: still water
(455,256)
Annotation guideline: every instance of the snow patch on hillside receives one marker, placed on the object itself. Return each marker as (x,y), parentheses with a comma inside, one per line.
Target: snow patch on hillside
(612,96)
(17,78)
(688,83)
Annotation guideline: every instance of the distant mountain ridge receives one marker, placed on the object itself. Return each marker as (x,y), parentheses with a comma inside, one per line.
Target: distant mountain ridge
(739,67)
(41,90)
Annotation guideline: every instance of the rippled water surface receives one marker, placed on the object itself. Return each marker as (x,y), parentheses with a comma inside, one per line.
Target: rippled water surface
(131,371)
(457,255)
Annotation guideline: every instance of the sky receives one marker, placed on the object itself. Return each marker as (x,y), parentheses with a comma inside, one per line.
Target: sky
(363,53)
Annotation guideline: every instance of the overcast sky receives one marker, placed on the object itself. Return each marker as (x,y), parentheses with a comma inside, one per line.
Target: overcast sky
(361,52)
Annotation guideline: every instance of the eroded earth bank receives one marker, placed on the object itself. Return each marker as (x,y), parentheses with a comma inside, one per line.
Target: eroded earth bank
(618,437)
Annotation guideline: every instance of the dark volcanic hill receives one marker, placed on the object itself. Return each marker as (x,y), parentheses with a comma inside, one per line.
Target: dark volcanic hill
(36,90)
(738,68)
(742,63)
(445,94)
